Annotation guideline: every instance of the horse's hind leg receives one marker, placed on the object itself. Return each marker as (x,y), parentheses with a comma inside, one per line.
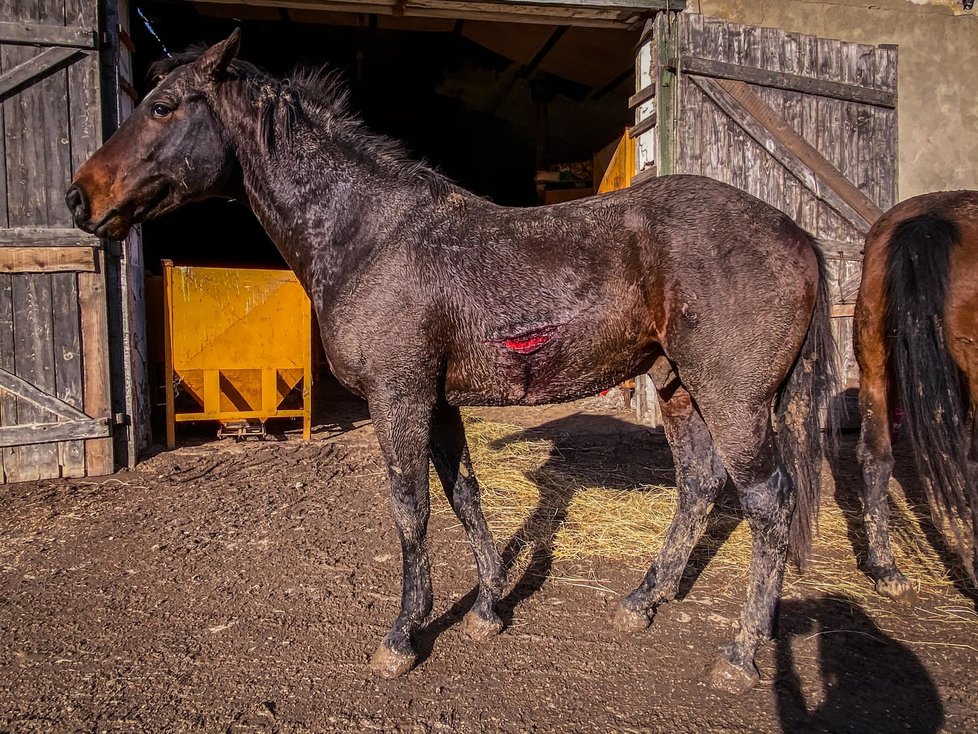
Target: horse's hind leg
(450,455)
(767,496)
(700,477)
(876,457)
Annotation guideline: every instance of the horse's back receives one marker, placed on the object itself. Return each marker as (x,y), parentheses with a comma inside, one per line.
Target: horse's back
(916,229)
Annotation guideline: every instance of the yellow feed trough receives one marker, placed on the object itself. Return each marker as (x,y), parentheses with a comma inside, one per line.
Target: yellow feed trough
(238,348)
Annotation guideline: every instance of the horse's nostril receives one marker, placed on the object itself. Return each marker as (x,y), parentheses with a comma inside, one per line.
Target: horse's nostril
(77,203)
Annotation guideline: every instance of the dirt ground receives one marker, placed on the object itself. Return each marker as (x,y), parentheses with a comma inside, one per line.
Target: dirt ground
(241,587)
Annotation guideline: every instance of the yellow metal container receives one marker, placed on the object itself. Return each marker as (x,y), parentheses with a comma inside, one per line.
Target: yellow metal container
(238,346)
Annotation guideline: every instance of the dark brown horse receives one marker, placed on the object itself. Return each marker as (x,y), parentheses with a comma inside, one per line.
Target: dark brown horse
(916,332)
(430,298)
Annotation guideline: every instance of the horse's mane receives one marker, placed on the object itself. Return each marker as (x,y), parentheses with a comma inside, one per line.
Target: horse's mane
(320,98)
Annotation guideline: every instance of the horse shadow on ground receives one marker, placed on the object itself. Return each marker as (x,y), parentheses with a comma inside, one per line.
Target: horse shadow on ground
(867,681)
(848,481)
(587,450)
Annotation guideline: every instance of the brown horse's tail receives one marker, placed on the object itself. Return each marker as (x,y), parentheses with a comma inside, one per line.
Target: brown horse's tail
(798,414)
(923,377)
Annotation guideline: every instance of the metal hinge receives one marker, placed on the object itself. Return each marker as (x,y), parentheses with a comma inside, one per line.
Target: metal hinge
(121,419)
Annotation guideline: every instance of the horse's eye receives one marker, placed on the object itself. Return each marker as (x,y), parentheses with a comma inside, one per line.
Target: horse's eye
(160,109)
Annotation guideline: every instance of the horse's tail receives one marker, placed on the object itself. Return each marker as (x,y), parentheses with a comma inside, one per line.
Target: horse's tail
(923,377)
(798,414)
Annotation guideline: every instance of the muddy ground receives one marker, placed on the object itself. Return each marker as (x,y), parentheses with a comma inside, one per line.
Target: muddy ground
(241,587)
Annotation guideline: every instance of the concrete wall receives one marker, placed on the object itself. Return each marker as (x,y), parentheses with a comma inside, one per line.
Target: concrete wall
(938,72)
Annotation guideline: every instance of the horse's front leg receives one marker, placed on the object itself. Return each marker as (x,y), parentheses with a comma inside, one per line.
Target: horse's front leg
(402,426)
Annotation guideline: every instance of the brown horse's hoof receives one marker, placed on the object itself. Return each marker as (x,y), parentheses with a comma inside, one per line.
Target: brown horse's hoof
(480,629)
(896,587)
(630,621)
(725,676)
(390,664)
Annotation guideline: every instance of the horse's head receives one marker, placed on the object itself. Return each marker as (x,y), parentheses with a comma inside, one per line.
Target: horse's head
(172,150)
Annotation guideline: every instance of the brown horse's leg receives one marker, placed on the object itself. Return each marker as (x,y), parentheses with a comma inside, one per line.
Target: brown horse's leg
(402,427)
(700,477)
(876,457)
(450,455)
(767,496)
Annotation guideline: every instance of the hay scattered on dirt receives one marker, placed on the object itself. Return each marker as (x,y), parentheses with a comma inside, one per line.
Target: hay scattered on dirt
(530,495)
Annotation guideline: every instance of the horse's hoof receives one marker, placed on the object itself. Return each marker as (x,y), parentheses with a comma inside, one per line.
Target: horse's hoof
(725,676)
(389,664)
(895,586)
(479,629)
(630,621)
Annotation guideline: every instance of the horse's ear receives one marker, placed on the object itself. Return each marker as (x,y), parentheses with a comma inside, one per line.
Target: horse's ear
(214,61)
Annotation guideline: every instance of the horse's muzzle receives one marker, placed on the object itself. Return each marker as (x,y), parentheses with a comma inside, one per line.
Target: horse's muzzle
(78,205)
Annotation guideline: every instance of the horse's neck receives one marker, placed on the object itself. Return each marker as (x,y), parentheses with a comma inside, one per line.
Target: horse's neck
(318,229)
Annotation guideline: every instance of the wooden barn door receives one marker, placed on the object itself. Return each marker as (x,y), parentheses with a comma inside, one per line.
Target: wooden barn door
(807,124)
(54,367)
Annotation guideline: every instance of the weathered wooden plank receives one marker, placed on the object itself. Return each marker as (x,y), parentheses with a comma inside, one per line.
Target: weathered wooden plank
(667,99)
(46,236)
(47,259)
(34,69)
(884,154)
(808,63)
(43,435)
(787,81)
(137,390)
(84,99)
(69,388)
(34,365)
(741,153)
(28,392)
(4,220)
(791,111)
(818,174)
(8,403)
(829,127)
(38,154)
(47,35)
(95,363)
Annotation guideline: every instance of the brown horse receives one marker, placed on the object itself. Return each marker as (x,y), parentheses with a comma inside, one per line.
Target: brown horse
(430,298)
(916,331)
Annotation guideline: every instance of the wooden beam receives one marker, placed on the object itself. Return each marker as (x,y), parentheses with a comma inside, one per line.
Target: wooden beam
(783,80)
(37,34)
(47,260)
(777,137)
(643,95)
(840,249)
(849,288)
(622,14)
(45,236)
(643,126)
(45,63)
(35,433)
(95,362)
(26,391)
(644,175)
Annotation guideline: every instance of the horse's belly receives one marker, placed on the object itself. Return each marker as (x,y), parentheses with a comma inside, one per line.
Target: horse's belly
(546,368)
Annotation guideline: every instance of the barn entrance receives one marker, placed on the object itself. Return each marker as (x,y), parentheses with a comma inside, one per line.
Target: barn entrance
(523,103)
